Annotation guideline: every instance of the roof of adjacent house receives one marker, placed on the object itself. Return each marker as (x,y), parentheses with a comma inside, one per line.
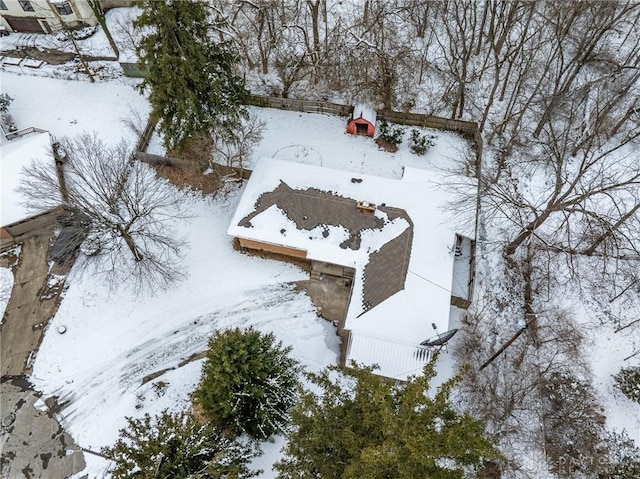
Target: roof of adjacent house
(14,155)
(402,254)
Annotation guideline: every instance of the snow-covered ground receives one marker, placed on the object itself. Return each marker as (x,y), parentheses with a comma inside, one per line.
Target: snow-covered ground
(67,108)
(114,339)
(322,140)
(6,284)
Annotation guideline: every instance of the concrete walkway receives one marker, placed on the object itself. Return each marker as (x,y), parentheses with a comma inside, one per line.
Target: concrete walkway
(33,443)
(31,306)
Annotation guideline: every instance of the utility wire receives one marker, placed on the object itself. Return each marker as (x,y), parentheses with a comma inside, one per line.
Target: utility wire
(429,281)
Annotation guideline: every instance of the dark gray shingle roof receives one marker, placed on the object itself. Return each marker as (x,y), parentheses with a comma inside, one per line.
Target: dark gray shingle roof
(386,271)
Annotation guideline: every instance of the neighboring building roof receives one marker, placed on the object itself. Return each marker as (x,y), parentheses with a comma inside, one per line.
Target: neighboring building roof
(365,112)
(14,155)
(402,256)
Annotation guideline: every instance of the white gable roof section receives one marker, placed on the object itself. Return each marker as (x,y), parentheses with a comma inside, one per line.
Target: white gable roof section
(14,156)
(364,111)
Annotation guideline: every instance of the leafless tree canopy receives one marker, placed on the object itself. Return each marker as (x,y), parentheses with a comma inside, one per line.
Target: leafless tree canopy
(126,213)
(234,147)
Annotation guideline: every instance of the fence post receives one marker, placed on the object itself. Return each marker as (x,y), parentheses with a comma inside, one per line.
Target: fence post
(59,161)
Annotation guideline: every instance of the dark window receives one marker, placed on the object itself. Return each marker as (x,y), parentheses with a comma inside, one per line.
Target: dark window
(64,9)
(3,6)
(26,5)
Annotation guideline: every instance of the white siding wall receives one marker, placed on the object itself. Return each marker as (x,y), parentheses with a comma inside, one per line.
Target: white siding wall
(46,10)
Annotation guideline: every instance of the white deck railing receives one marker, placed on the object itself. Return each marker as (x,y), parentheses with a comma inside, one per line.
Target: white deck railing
(396,359)
(25,131)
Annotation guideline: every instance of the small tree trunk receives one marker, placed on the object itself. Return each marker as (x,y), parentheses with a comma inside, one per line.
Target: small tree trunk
(131,244)
(103,23)
(62,183)
(600,239)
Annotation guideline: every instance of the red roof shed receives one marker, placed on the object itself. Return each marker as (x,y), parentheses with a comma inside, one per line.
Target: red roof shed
(363,121)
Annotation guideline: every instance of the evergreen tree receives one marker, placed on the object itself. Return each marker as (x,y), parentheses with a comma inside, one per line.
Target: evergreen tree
(361,426)
(623,457)
(191,78)
(177,446)
(249,383)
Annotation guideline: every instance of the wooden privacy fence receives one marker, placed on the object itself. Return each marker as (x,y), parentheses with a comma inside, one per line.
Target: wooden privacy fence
(145,138)
(307,106)
(467,128)
(429,121)
(403,118)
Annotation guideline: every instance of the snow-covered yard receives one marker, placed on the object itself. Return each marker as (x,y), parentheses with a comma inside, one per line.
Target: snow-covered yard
(67,108)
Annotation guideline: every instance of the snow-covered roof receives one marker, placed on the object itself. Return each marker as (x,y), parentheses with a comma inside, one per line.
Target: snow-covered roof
(15,154)
(409,211)
(365,112)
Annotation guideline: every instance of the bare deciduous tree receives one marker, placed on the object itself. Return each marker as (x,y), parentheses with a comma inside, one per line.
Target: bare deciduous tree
(233,147)
(510,391)
(119,205)
(589,198)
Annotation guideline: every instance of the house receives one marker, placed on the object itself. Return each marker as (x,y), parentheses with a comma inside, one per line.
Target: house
(45,16)
(408,266)
(363,121)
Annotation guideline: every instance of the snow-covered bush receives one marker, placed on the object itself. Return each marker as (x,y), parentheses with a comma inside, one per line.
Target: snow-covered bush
(390,134)
(628,382)
(248,384)
(5,118)
(177,445)
(81,33)
(421,143)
